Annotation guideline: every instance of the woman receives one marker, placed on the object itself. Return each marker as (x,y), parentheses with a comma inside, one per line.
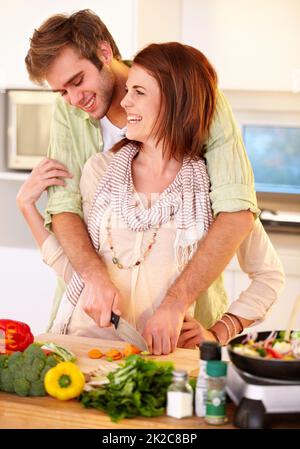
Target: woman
(146,205)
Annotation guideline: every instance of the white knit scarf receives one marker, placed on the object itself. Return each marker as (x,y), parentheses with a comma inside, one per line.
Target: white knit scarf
(186,200)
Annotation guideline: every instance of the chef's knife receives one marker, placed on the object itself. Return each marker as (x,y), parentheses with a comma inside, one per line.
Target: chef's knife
(128,333)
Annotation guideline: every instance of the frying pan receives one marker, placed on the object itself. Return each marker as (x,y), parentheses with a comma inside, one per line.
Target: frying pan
(288,370)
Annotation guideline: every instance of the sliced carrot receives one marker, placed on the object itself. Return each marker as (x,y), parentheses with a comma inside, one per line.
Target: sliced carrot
(95,353)
(131,349)
(113,354)
(117,357)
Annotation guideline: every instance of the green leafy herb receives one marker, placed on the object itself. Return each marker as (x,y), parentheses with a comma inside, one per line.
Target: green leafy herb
(61,353)
(139,387)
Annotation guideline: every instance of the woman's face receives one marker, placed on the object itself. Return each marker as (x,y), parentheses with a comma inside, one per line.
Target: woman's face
(142,105)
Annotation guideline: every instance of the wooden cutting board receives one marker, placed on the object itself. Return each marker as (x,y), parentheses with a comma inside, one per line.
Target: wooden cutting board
(49,413)
(187,359)
(46,412)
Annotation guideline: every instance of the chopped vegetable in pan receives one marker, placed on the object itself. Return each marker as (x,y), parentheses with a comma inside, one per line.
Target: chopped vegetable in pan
(273,347)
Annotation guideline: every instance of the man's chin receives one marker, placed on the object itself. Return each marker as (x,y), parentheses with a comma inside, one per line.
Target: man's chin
(95,115)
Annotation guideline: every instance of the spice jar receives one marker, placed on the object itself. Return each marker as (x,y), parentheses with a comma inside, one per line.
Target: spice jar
(216,394)
(180,396)
(209,350)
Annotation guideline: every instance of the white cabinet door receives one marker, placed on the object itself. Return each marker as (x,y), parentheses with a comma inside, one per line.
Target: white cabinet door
(26,288)
(288,249)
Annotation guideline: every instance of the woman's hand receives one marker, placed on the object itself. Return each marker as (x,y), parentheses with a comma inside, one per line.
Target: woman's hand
(47,173)
(193,333)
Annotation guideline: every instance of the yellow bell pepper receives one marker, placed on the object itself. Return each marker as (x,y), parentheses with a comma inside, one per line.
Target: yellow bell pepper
(64,381)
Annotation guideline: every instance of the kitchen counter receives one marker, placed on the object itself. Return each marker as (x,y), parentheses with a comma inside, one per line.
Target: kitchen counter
(49,413)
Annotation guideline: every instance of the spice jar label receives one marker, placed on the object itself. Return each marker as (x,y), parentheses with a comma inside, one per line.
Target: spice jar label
(180,404)
(215,406)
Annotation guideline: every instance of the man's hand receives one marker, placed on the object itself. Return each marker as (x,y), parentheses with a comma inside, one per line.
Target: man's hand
(163,328)
(100,298)
(193,333)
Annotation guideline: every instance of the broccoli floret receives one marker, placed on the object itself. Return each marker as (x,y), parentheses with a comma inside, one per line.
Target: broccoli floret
(37,388)
(33,363)
(3,365)
(15,362)
(51,361)
(3,360)
(44,372)
(21,387)
(32,372)
(23,372)
(32,352)
(38,365)
(33,349)
(7,381)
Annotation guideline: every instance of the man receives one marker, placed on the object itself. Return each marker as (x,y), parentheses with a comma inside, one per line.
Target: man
(78,58)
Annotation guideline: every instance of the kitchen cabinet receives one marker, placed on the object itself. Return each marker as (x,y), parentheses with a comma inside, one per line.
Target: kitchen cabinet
(31,15)
(27,287)
(253,45)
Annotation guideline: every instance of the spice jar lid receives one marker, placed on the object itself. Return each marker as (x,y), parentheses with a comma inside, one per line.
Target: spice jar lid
(180,374)
(210,350)
(216,368)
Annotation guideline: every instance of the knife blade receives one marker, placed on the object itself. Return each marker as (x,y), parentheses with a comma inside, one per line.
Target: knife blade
(128,333)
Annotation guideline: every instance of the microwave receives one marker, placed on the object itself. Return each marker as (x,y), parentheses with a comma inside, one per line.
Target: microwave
(28,116)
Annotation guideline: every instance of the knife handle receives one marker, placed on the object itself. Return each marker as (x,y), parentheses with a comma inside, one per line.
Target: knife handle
(114,319)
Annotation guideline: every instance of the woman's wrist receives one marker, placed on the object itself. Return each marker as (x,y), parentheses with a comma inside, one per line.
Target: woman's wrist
(227,328)
(25,206)
(220,333)
(215,335)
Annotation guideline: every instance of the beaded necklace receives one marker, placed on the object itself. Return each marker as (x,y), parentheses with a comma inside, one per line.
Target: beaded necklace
(115,259)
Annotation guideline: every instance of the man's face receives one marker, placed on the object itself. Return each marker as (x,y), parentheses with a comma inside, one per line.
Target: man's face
(81,84)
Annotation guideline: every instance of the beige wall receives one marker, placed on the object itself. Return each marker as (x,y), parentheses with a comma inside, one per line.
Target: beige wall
(254,44)
(158,21)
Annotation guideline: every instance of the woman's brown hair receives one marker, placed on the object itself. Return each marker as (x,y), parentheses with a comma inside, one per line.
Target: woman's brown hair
(188,85)
(82,30)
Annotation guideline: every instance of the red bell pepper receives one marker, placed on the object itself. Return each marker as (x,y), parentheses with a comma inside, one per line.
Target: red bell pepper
(14,336)
(273,353)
